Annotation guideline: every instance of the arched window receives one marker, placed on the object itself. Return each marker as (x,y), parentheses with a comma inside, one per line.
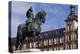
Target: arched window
(54,40)
(45,42)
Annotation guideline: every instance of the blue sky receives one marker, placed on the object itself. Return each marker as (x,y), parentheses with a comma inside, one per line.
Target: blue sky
(55,15)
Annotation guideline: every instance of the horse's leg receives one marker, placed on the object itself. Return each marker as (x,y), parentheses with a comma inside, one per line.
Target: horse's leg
(21,41)
(38,36)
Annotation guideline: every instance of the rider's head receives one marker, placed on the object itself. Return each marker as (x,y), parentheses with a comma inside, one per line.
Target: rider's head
(31,9)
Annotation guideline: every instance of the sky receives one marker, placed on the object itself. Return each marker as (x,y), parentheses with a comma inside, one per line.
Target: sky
(55,15)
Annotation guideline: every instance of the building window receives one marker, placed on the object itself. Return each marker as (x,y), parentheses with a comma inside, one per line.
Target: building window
(50,43)
(71,46)
(31,45)
(60,40)
(69,27)
(65,46)
(50,49)
(57,47)
(54,41)
(41,43)
(66,38)
(54,48)
(74,45)
(69,37)
(75,37)
(46,34)
(45,42)
(34,44)
(57,40)
(61,47)
(24,46)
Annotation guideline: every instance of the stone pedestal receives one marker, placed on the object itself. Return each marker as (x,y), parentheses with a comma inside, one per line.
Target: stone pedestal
(27,50)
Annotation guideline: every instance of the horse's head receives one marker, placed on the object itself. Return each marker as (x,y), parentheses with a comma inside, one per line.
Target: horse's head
(42,16)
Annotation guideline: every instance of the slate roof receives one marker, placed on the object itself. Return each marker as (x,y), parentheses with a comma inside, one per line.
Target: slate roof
(54,33)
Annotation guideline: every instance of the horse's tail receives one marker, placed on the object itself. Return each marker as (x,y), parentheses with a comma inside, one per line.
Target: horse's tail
(17,39)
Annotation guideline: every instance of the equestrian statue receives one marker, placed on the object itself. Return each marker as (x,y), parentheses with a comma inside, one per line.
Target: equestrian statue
(31,27)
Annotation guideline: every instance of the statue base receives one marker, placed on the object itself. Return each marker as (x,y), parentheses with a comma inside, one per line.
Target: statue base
(27,50)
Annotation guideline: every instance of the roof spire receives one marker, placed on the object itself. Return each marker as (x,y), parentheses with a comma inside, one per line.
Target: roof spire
(72,9)
(72,15)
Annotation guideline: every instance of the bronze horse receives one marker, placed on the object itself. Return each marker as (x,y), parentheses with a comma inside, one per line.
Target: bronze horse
(35,28)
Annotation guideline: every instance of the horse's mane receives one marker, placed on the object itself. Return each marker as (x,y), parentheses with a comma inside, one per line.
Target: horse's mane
(38,15)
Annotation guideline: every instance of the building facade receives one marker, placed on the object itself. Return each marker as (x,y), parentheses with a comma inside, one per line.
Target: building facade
(71,30)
